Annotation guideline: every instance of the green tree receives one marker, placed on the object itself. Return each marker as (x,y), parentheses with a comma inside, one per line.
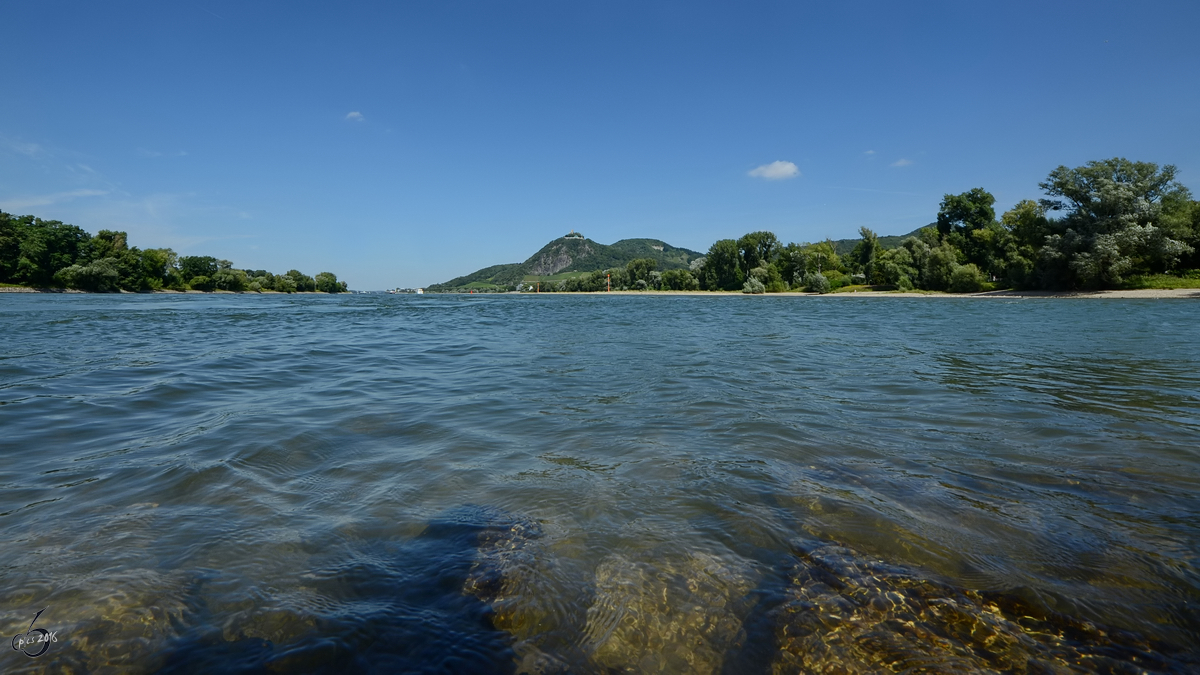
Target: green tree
(815,282)
(1113,208)
(792,264)
(48,246)
(679,280)
(865,253)
(193,266)
(327,282)
(99,276)
(822,257)
(758,249)
(639,269)
(722,269)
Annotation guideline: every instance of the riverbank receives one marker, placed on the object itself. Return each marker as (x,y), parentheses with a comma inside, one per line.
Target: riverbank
(27,289)
(1144,293)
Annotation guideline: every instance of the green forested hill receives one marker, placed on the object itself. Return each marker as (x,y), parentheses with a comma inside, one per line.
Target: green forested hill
(573,253)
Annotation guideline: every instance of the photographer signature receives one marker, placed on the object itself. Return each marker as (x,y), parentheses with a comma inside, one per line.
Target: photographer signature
(34,636)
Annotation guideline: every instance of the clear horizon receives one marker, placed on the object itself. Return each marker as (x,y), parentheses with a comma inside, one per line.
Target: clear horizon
(407,145)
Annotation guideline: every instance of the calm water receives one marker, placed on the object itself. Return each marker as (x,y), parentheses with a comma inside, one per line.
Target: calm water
(600,484)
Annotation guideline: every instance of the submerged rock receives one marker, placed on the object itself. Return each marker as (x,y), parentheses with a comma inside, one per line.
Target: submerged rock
(673,615)
(845,613)
(514,572)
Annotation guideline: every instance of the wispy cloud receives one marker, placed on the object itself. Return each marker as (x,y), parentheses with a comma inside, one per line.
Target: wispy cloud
(44,200)
(777,170)
(355,117)
(869,152)
(27,149)
(902,162)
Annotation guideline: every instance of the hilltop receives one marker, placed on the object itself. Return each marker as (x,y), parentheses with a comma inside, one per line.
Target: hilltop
(569,255)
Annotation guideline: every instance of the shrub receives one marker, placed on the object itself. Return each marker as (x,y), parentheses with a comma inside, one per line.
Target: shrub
(753,285)
(816,283)
(966,279)
(202,283)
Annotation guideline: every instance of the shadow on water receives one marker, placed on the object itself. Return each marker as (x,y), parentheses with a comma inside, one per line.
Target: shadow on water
(396,607)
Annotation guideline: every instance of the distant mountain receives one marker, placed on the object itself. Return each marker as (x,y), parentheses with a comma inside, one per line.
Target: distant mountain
(845,246)
(572,253)
(576,253)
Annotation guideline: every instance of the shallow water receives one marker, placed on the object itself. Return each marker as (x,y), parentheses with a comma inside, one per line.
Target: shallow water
(598,484)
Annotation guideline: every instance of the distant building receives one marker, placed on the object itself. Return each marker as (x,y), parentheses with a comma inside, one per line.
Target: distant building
(420,291)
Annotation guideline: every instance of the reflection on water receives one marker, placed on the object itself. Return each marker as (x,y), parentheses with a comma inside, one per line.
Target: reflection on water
(581,484)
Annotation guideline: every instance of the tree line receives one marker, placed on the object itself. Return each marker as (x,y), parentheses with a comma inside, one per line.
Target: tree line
(1099,225)
(51,254)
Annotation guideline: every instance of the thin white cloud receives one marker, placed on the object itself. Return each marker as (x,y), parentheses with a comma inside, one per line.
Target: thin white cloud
(27,149)
(777,170)
(355,117)
(44,200)
(902,162)
(869,152)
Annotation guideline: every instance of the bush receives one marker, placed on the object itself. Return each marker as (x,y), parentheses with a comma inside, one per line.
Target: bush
(100,276)
(904,283)
(202,283)
(816,283)
(966,279)
(754,286)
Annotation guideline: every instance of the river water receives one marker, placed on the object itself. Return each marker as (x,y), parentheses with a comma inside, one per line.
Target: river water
(274,483)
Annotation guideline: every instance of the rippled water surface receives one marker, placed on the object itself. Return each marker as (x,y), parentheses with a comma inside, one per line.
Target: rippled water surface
(600,484)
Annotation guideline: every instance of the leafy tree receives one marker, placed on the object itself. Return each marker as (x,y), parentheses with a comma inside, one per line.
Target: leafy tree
(866,252)
(753,285)
(938,267)
(202,283)
(822,257)
(966,279)
(815,282)
(327,283)
(228,279)
(302,281)
(639,269)
(792,264)
(722,269)
(1110,227)
(193,266)
(758,249)
(679,280)
(46,247)
(99,276)
(965,212)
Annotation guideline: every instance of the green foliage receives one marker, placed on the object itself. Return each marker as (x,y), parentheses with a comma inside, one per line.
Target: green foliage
(815,282)
(722,269)
(639,269)
(202,283)
(98,276)
(865,254)
(792,264)
(753,285)
(195,266)
(758,249)
(966,279)
(327,282)
(679,280)
(1110,228)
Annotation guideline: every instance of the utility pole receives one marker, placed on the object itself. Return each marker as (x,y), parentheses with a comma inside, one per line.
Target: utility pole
(609,278)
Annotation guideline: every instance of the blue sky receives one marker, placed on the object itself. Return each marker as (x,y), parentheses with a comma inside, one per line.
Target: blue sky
(401,144)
